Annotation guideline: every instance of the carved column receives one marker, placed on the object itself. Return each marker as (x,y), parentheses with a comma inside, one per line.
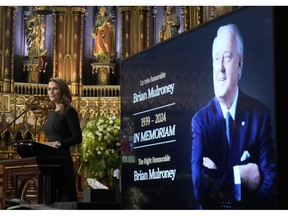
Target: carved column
(79,14)
(125,31)
(144,27)
(7,15)
(2,16)
(68,42)
(59,41)
(193,16)
(136,29)
(141,35)
(149,27)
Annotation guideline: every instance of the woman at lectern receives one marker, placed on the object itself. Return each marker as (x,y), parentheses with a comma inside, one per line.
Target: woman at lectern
(62,130)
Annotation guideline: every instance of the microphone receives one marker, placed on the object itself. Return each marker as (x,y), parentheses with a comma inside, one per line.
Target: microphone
(32,108)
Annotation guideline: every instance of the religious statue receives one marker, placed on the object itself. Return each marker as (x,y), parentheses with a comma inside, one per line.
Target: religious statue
(170,25)
(104,34)
(36,36)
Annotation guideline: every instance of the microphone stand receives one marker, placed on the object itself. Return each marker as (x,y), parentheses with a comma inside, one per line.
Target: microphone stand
(25,111)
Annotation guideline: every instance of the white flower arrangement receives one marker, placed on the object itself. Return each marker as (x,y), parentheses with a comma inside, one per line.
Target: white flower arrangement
(100,148)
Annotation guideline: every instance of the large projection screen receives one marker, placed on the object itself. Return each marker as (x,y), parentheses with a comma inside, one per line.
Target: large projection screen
(164,86)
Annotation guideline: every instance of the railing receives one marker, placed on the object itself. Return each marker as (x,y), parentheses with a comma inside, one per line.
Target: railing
(30,89)
(101,91)
(87,91)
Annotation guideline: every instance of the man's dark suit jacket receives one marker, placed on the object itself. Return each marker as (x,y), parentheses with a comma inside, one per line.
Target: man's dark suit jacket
(251,132)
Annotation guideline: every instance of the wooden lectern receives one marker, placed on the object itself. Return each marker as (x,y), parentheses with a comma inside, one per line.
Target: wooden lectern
(30,178)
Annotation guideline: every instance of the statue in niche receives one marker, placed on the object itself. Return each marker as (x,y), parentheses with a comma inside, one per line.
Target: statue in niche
(170,25)
(36,36)
(104,35)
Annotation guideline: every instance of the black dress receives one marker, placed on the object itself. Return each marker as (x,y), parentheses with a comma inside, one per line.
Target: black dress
(65,128)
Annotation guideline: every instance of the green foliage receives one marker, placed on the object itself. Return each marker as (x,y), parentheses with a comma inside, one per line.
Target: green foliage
(100,149)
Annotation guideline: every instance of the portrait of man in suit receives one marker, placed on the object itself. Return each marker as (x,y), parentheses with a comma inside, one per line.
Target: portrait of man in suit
(233,161)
